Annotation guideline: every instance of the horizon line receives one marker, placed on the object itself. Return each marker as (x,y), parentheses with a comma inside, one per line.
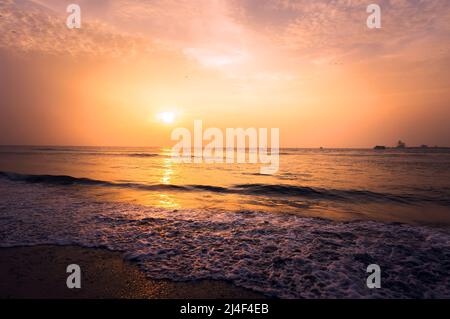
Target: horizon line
(286,147)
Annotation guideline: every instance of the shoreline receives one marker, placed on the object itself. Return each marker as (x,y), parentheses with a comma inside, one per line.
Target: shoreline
(283,255)
(39,272)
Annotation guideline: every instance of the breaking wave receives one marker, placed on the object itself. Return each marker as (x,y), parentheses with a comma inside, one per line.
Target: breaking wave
(269,190)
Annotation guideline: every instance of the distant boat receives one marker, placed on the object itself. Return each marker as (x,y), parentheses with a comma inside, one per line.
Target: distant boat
(379,147)
(401,144)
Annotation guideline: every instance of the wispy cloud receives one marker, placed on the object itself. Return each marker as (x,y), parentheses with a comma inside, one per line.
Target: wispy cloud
(29,27)
(218,32)
(318,28)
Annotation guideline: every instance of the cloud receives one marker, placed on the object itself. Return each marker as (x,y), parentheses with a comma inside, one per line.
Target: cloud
(317,29)
(30,28)
(228,30)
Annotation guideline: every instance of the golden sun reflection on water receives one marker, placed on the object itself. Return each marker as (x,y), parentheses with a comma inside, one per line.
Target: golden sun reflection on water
(167,200)
(167,171)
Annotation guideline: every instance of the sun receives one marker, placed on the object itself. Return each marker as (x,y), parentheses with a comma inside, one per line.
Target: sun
(166,117)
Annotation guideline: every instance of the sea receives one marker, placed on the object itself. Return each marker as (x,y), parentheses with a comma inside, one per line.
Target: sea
(309,231)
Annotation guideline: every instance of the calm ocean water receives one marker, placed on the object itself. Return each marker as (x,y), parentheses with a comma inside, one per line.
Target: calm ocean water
(393,185)
(307,231)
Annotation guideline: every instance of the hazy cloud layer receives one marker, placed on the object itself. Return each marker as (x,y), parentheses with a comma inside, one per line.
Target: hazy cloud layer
(218,32)
(28,27)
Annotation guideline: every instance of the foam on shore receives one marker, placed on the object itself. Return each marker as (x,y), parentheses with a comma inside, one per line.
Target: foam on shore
(282,255)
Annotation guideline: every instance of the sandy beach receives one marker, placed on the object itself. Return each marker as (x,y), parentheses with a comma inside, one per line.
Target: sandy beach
(39,272)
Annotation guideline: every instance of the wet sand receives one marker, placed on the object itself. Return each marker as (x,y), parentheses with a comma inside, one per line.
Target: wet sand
(40,272)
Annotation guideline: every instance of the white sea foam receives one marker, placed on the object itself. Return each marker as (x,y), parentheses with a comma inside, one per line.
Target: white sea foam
(281,255)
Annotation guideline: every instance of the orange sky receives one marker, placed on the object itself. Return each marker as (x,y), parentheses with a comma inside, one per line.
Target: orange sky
(311,68)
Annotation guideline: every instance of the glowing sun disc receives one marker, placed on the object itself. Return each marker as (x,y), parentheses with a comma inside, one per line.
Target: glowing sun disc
(166,117)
